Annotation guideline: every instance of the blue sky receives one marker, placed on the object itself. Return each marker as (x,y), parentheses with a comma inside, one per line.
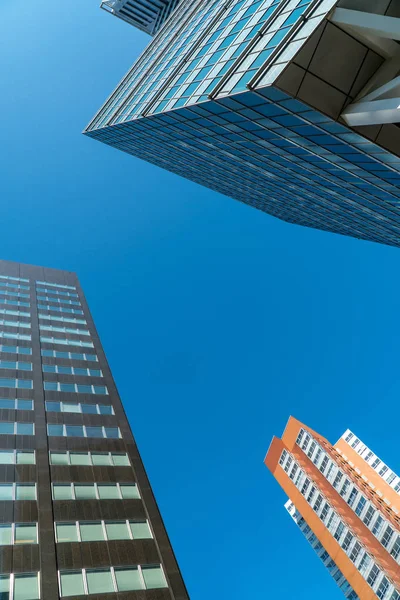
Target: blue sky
(218,320)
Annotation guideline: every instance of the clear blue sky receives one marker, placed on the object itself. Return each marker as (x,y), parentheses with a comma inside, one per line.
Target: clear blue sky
(218,320)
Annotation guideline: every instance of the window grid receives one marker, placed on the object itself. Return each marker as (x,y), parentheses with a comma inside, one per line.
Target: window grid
(16,428)
(79,408)
(62,319)
(14,586)
(115,459)
(95,491)
(83,431)
(11,534)
(62,309)
(17,457)
(75,388)
(16,364)
(132,529)
(15,349)
(144,582)
(64,342)
(17,491)
(16,403)
(69,355)
(86,372)
(56,285)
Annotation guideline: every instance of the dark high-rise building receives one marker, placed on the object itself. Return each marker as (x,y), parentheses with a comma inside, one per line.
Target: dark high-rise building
(291,106)
(77,514)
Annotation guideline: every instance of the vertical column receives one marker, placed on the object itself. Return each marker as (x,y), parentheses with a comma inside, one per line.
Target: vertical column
(47,547)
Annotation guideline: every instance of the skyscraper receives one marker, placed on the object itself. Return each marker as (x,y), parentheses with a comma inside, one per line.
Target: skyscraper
(290,106)
(147,15)
(77,512)
(346,501)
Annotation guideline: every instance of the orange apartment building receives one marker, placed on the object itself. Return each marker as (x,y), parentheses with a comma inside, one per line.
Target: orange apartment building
(346,502)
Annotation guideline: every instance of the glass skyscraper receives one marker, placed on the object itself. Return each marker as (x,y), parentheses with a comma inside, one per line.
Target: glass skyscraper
(78,516)
(287,105)
(346,502)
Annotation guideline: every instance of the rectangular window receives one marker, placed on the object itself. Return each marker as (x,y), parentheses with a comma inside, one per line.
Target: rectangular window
(85,491)
(129,491)
(15,349)
(373,574)
(369,515)
(25,384)
(25,491)
(395,551)
(5,535)
(25,533)
(26,457)
(120,460)
(62,491)
(66,532)
(91,531)
(387,536)
(128,579)
(378,525)
(71,583)
(140,530)
(153,577)
(117,530)
(108,491)
(80,458)
(26,586)
(99,581)
(100,459)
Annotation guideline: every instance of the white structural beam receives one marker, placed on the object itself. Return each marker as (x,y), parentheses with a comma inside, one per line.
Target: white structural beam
(378,32)
(391,89)
(380,25)
(376,112)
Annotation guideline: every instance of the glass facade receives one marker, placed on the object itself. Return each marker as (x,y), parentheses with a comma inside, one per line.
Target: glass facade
(239,96)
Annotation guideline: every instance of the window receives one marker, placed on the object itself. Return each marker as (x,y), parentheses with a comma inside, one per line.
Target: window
(24,384)
(128,579)
(5,535)
(83,431)
(62,341)
(12,364)
(91,531)
(118,579)
(140,530)
(355,552)
(378,525)
(15,336)
(62,319)
(80,458)
(129,491)
(383,588)
(387,536)
(87,458)
(25,533)
(108,491)
(26,457)
(26,586)
(25,491)
(62,491)
(395,551)
(62,309)
(55,386)
(15,349)
(93,491)
(55,292)
(369,515)
(63,329)
(99,581)
(10,428)
(360,506)
(17,491)
(69,355)
(339,531)
(85,491)
(153,577)
(373,574)
(117,530)
(71,583)
(90,409)
(56,285)
(66,532)
(63,370)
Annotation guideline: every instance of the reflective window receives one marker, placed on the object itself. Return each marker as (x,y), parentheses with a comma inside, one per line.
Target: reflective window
(99,581)
(83,431)
(71,583)
(66,532)
(56,386)
(128,579)
(88,458)
(25,533)
(26,586)
(140,530)
(153,577)
(91,532)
